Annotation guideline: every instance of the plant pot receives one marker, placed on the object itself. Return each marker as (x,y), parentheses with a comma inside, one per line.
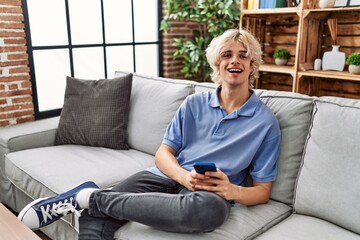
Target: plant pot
(326,3)
(354,69)
(280,61)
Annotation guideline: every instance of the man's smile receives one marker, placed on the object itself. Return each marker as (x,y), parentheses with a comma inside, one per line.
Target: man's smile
(235,70)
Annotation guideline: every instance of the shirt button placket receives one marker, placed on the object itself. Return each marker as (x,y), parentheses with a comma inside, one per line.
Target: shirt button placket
(220,127)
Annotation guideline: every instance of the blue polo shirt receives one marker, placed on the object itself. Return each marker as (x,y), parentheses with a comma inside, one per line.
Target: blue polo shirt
(248,138)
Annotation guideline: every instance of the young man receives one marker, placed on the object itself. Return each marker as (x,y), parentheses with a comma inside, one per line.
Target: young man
(229,126)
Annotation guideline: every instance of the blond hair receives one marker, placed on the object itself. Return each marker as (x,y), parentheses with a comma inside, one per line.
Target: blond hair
(218,44)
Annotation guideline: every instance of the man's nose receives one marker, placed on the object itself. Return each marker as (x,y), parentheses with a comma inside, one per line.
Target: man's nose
(235,60)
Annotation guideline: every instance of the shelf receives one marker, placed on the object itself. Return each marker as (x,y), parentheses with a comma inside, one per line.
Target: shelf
(331,74)
(325,11)
(277,69)
(335,9)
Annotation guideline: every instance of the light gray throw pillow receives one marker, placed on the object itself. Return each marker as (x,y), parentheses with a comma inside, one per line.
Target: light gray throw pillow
(95,112)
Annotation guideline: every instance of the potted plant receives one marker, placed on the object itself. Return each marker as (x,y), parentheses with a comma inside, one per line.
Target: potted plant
(354,63)
(281,56)
(212,18)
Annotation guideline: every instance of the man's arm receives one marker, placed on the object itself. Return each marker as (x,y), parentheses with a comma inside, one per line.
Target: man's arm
(257,194)
(216,182)
(168,164)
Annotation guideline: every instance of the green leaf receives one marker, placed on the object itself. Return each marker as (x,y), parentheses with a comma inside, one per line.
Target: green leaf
(216,17)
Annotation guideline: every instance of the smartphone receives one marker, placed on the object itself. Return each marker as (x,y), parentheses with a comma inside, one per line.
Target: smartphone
(202,167)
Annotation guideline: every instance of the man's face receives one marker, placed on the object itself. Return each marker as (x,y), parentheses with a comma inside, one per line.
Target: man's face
(235,65)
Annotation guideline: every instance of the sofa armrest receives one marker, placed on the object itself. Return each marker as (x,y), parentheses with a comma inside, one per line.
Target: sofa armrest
(23,136)
(28,135)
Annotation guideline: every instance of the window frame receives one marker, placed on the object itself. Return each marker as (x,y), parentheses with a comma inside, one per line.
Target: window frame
(71,47)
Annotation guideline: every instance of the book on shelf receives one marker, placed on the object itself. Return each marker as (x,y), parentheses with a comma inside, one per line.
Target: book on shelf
(253,4)
(262,4)
(266,3)
(250,4)
(279,3)
(256,4)
(272,3)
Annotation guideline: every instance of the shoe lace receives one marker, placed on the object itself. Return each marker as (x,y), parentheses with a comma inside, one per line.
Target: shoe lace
(66,207)
(60,208)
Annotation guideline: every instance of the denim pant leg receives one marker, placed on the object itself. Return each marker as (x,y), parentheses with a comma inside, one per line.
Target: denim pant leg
(91,227)
(187,211)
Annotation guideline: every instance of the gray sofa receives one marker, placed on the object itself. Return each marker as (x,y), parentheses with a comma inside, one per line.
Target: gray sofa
(316,194)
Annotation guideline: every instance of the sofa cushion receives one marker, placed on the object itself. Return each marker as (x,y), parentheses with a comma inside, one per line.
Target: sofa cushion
(329,179)
(205,86)
(95,112)
(47,171)
(243,223)
(293,112)
(42,172)
(300,227)
(153,104)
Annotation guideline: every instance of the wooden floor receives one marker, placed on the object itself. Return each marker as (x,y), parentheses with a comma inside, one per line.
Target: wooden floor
(38,232)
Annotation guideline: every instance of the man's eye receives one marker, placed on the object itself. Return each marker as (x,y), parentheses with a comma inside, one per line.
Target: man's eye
(243,56)
(226,55)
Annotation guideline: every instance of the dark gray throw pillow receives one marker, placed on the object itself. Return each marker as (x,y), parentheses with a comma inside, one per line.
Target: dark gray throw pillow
(95,112)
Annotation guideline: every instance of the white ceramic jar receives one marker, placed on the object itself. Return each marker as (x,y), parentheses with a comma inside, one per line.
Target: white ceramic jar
(326,3)
(317,64)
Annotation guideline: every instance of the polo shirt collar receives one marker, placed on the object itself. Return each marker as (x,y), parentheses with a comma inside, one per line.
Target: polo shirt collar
(247,110)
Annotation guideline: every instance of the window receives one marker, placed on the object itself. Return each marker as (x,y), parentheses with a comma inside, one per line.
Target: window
(88,39)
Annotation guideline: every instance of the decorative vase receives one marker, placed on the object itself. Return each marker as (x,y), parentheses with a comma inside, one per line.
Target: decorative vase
(281,61)
(326,3)
(354,69)
(334,60)
(317,64)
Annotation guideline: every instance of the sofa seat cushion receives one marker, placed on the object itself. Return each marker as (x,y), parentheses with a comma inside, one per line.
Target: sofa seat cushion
(42,172)
(329,180)
(300,227)
(243,223)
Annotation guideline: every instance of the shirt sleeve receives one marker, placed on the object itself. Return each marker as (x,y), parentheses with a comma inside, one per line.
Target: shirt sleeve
(173,134)
(264,165)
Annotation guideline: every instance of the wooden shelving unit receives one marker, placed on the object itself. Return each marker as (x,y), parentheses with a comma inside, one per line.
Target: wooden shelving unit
(330,74)
(303,31)
(278,69)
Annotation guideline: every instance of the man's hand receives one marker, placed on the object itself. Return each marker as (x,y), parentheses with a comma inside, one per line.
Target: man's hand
(190,179)
(216,182)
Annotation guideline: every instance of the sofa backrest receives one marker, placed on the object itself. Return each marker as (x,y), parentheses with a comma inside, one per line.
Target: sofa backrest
(293,112)
(153,104)
(328,186)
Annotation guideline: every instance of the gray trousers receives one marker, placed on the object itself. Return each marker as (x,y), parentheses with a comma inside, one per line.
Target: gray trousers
(154,201)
